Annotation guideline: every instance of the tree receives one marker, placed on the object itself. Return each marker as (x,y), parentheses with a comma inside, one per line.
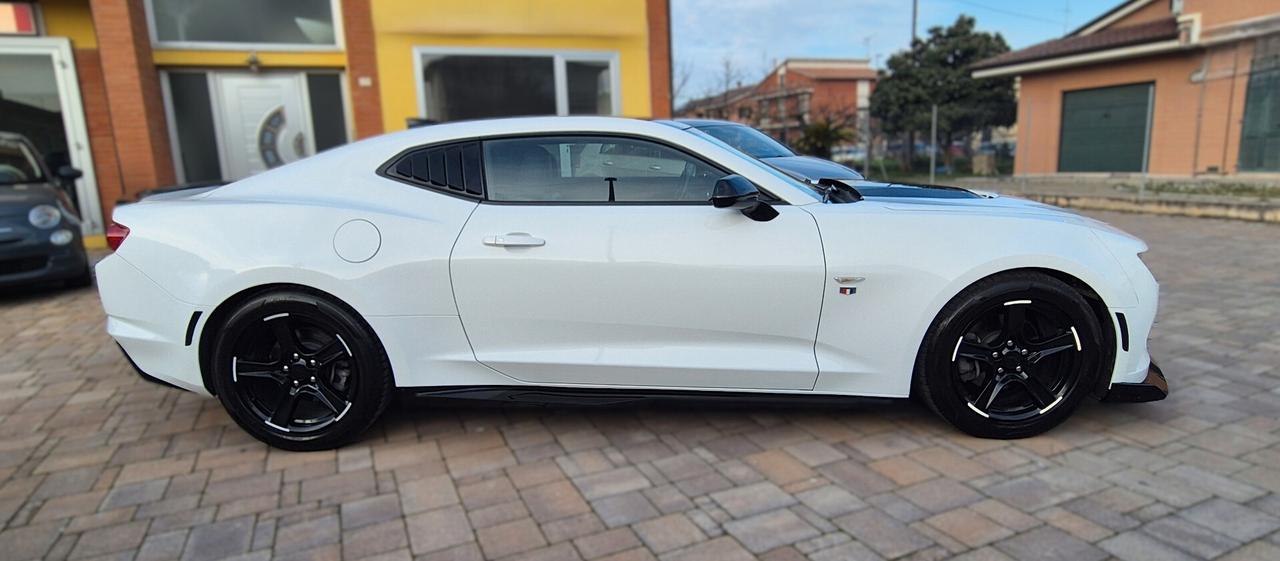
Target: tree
(824,133)
(937,71)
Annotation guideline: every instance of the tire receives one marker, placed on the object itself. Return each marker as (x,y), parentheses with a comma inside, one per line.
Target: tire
(327,394)
(1011,356)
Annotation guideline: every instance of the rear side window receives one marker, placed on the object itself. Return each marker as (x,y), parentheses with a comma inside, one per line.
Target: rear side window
(453,168)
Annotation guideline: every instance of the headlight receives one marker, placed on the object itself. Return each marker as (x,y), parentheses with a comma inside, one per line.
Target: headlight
(44,216)
(61,237)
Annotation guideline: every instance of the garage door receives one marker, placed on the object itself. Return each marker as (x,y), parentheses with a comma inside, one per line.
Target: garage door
(1105,129)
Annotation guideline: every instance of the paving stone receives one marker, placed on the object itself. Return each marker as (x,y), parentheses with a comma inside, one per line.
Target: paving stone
(438,529)
(1225,517)
(764,532)
(29,542)
(162,547)
(1191,537)
(219,540)
(719,549)
(553,501)
(374,539)
(427,493)
(670,532)
(1050,544)
(752,499)
(886,536)
(612,482)
(940,495)
(308,533)
(624,509)
(1137,546)
(572,527)
(607,543)
(969,527)
(850,551)
(510,538)
(815,453)
(364,512)
(830,501)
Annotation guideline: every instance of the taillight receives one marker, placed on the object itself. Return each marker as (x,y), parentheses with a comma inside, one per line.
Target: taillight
(116,233)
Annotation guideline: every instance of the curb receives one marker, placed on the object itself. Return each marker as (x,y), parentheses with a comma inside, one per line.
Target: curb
(1250,212)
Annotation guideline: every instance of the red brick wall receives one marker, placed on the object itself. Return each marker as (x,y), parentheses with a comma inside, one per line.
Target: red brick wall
(93,94)
(362,63)
(133,98)
(659,14)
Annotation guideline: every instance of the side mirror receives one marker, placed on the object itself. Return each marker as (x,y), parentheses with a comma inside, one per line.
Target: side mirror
(736,192)
(68,173)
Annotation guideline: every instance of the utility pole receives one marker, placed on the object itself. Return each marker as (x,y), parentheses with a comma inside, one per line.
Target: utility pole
(933,144)
(915,10)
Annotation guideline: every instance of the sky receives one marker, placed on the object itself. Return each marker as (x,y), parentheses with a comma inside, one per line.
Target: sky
(756,34)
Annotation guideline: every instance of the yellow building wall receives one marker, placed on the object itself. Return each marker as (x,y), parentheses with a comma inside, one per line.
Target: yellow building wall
(71,19)
(595,25)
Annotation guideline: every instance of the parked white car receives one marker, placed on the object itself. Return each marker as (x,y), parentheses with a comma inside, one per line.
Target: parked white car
(546,258)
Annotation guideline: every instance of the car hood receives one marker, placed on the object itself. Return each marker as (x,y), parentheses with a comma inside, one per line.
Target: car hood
(811,169)
(18,199)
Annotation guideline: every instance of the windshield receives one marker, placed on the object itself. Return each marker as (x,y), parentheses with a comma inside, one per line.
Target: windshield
(17,164)
(746,139)
(806,187)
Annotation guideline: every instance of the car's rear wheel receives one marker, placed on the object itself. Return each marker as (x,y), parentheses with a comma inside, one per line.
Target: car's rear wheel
(300,372)
(1011,356)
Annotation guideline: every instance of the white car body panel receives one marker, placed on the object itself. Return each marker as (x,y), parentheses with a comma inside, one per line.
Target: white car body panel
(657,296)
(667,296)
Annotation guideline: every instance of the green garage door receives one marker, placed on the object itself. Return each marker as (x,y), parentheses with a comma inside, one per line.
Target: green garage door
(1260,137)
(1105,129)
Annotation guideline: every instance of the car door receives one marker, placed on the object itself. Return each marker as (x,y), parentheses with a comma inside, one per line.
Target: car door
(565,276)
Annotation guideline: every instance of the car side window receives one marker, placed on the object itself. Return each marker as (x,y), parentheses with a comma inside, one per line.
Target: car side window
(594,169)
(451,168)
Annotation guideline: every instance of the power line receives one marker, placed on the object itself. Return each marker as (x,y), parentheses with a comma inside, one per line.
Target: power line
(1007,12)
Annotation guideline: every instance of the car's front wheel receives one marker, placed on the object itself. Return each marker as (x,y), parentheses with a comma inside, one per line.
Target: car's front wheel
(1011,356)
(299,371)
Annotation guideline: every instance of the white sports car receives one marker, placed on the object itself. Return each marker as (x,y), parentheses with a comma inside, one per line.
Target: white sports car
(604,259)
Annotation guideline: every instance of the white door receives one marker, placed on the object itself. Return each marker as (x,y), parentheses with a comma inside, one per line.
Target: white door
(40,99)
(658,289)
(263,121)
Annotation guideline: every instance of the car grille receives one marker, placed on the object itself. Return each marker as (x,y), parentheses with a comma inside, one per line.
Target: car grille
(23,265)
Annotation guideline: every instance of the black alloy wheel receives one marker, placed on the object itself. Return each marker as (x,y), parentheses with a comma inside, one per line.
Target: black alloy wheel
(300,372)
(1011,356)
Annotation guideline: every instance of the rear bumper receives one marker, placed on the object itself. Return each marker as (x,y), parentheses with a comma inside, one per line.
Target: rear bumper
(1154,388)
(137,370)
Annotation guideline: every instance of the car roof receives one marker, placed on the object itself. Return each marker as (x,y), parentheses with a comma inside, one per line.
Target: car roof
(710,122)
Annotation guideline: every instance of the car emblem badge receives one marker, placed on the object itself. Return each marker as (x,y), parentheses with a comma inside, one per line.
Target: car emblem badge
(846,290)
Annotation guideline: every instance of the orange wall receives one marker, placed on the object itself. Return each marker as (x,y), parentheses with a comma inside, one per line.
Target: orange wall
(1218,12)
(1195,124)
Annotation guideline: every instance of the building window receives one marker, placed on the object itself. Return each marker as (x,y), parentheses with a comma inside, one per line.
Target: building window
(237,24)
(459,84)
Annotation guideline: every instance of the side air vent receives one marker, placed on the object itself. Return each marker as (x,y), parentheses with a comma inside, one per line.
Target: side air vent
(1124,331)
(452,168)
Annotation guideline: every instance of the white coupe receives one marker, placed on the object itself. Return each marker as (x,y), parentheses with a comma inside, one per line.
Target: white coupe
(604,259)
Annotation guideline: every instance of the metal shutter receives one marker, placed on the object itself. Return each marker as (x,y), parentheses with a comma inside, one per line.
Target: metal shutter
(1106,129)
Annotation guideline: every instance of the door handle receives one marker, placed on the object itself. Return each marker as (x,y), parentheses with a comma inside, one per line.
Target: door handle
(514,239)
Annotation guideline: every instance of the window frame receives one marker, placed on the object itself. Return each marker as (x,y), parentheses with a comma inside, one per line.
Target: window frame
(560,73)
(339,43)
(764,195)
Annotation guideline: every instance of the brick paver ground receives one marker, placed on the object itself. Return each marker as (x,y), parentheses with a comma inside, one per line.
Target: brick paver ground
(95,463)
